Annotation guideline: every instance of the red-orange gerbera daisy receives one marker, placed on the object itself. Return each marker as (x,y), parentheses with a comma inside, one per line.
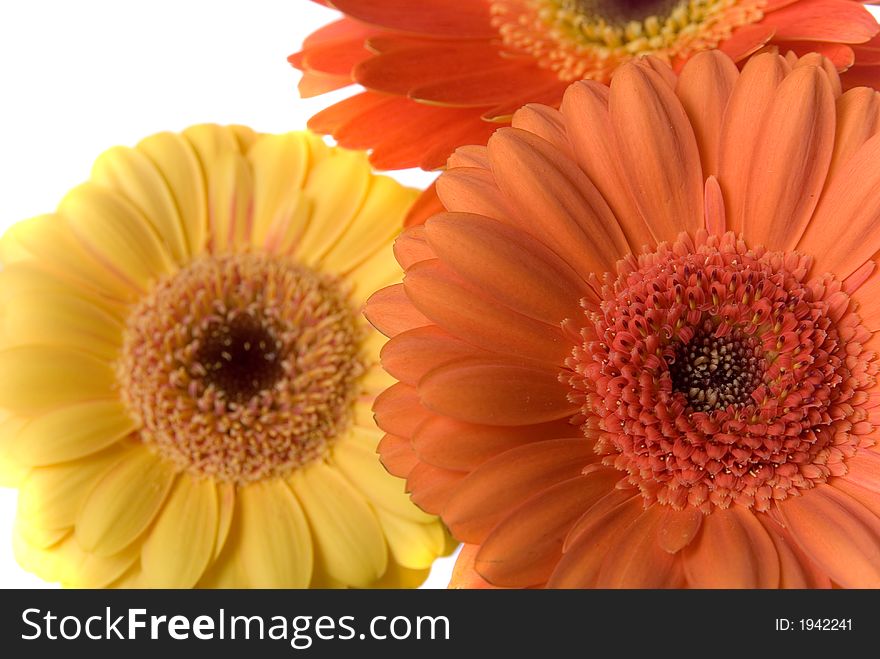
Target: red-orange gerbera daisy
(639,349)
(442,73)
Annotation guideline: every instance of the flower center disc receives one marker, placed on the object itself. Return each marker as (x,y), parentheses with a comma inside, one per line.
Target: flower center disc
(241,367)
(620,12)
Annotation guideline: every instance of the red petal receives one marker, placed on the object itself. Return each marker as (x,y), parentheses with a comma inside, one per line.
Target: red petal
(746,40)
(834,21)
(425,206)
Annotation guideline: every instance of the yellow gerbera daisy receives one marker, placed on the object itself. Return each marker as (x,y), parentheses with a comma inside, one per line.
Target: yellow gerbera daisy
(187,379)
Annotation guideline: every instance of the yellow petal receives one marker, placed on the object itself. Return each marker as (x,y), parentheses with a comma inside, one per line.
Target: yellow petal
(230,198)
(72,432)
(336,186)
(280,164)
(41,561)
(347,533)
(245,136)
(226,507)
(116,234)
(131,174)
(38,536)
(12,472)
(80,569)
(397,576)
(39,377)
(179,546)
(376,380)
(176,159)
(357,459)
(378,271)
(379,220)
(273,539)
(51,497)
(50,241)
(28,279)
(413,545)
(62,320)
(124,502)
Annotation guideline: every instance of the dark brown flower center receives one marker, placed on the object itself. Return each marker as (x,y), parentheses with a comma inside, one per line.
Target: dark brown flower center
(714,372)
(621,12)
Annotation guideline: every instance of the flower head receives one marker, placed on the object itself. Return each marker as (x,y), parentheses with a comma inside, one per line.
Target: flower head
(439,74)
(639,349)
(187,376)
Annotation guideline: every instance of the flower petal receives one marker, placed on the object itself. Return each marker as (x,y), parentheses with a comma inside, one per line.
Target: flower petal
(391,312)
(413,545)
(348,537)
(124,502)
(180,545)
(636,560)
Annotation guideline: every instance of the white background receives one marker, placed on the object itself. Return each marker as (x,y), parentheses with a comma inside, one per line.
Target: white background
(79,76)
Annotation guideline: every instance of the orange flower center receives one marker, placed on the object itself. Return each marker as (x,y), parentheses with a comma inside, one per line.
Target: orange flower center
(241,367)
(712,374)
(590,38)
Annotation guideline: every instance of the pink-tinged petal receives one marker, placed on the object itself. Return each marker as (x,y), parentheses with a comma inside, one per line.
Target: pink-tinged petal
(588,125)
(582,560)
(524,549)
(790,160)
(677,528)
(458,18)
(636,560)
(854,194)
(496,393)
(656,139)
(557,200)
(749,103)
(704,88)
(488,494)
(472,316)
(509,265)
(838,533)
(732,550)
(834,21)
(391,312)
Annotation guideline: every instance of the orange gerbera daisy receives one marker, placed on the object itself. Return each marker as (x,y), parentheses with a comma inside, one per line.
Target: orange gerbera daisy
(442,73)
(639,349)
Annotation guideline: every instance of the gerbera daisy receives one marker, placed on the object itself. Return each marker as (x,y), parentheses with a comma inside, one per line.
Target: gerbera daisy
(442,73)
(187,379)
(639,349)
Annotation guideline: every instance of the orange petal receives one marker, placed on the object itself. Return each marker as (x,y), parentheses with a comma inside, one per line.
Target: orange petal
(411,354)
(582,560)
(656,139)
(397,455)
(524,549)
(464,575)
(496,393)
(391,312)
(716,220)
(545,122)
(749,102)
(509,265)
(834,21)
(795,569)
(790,161)
(563,207)
(858,120)
(853,194)
(412,246)
(469,314)
(838,533)
(427,204)
(473,190)
(398,410)
(456,18)
(431,486)
(453,444)
(704,88)
(489,493)
(746,40)
(636,560)
(677,528)
(732,550)
(588,124)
